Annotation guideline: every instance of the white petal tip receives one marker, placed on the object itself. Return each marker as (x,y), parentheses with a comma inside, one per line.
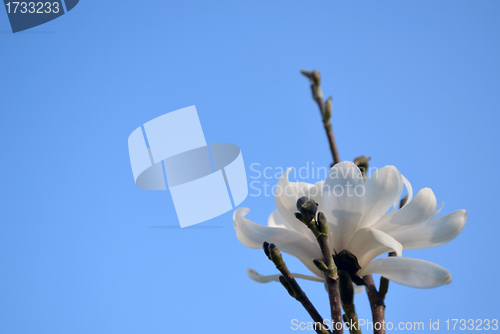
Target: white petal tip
(239,214)
(255,276)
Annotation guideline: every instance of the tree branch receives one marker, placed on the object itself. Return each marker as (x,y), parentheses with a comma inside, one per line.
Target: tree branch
(377,305)
(319,227)
(325,108)
(293,288)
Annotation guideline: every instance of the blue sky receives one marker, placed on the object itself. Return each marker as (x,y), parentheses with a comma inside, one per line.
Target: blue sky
(415,84)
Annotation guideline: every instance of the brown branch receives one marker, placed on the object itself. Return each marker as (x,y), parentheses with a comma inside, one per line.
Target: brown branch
(332,283)
(377,305)
(331,141)
(325,108)
(319,227)
(293,288)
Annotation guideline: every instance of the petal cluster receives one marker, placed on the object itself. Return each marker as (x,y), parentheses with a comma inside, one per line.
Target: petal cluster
(360,220)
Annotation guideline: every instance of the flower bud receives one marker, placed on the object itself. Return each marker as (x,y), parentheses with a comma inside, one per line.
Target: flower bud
(275,255)
(307,208)
(322,223)
(300,217)
(328,110)
(362,163)
(316,77)
(320,264)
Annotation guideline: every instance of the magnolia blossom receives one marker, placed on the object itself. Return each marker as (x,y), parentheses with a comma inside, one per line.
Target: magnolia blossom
(360,220)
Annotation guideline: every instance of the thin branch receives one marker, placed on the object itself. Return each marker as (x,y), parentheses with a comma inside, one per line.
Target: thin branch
(332,283)
(325,108)
(377,305)
(293,288)
(319,227)
(351,318)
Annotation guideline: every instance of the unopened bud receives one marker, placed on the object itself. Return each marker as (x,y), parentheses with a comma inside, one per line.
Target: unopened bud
(320,265)
(300,217)
(362,163)
(316,77)
(322,223)
(275,255)
(307,208)
(328,110)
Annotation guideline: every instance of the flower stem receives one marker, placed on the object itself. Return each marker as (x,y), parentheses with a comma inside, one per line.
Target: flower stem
(377,305)
(352,319)
(325,108)
(329,270)
(294,288)
(332,282)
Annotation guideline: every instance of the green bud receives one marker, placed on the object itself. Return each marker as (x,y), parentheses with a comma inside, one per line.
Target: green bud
(362,163)
(287,286)
(275,255)
(320,264)
(308,74)
(328,110)
(316,77)
(313,76)
(322,223)
(300,217)
(301,202)
(307,208)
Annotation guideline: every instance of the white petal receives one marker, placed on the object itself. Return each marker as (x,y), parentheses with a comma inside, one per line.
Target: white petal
(420,209)
(437,211)
(343,197)
(253,235)
(277,220)
(382,190)
(409,195)
(316,194)
(368,243)
(433,233)
(410,272)
(275,278)
(409,189)
(286,195)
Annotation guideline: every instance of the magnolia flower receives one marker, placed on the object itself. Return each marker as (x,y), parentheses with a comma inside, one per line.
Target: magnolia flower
(360,221)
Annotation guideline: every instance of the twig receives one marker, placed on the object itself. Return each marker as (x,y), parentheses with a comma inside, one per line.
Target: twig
(325,108)
(332,283)
(319,227)
(377,305)
(347,300)
(293,288)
